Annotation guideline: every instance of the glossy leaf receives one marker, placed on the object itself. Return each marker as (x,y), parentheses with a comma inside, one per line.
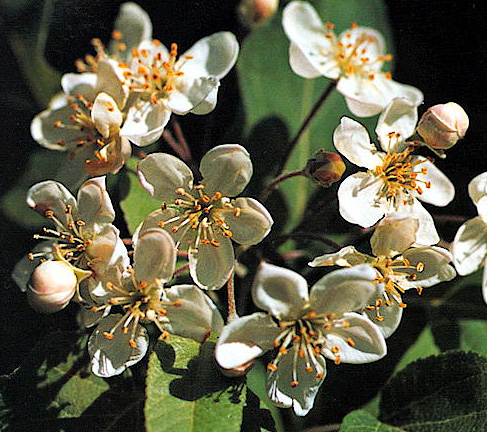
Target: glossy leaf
(362,421)
(187,392)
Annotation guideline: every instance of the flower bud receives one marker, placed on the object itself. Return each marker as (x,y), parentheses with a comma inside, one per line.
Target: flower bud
(441,126)
(51,287)
(252,13)
(325,168)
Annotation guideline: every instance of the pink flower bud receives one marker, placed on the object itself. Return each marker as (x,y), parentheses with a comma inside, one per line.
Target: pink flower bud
(51,287)
(252,13)
(441,126)
(325,168)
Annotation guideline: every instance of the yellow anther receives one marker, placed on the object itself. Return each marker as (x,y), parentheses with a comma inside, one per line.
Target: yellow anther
(351,342)
(215,243)
(338,359)
(132,343)
(294,383)
(272,367)
(335,349)
(108,336)
(282,350)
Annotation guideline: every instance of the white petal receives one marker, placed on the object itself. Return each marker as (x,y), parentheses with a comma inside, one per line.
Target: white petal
(345,290)
(212,56)
(300,397)
(441,191)
(366,97)
(304,28)
(51,195)
(352,140)
(426,233)
(226,169)
(477,188)
(189,92)
(394,234)
(24,268)
(145,122)
(46,134)
(391,315)
(251,225)
(135,25)
(345,257)
(300,64)
(208,104)
(212,266)
(195,316)
(244,339)
(357,195)
(94,205)
(369,344)
(109,81)
(154,256)
(470,246)
(111,357)
(161,174)
(84,83)
(399,116)
(281,292)
(435,260)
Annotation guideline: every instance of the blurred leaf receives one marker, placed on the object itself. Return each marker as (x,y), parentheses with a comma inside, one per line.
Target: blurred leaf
(362,421)
(53,390)
(136,202)
(270,88)
(42,165)
(473,336)
(187,392)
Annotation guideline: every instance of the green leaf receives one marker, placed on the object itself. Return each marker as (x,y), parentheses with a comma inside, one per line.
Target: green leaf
(54,388)
(187,392)
(136,202)
(441,393)
(271,90)
(362,421)
(473,336)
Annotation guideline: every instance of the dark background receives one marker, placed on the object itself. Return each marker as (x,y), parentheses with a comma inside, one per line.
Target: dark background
(440,48)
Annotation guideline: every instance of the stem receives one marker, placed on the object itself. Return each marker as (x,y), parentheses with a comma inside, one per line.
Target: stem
(232,311)
(304,125)
(181,270)
(272,186)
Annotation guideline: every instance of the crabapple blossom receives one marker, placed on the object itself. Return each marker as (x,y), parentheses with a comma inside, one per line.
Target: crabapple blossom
(203,216)
(354,59)
(302,329)
(138,296)
(400,265)
(395,180)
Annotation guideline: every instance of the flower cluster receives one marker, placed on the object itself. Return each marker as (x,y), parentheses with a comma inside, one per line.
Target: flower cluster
(126,94)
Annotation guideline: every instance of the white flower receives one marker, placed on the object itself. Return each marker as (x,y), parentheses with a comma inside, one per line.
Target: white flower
(400,265)
(203,216)
(470,243)
(83,235)
(139,296)
(395,179)
(85,121)
(163,82)
(354,58)
(303,329)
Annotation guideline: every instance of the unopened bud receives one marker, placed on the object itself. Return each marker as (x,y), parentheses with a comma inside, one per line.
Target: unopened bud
(441,126)
(253,13)
(51,287)
(325,168)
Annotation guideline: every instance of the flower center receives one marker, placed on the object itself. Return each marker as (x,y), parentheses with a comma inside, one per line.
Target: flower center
(198,213)
(154,73)
(356,52)
(305,339)
(396,274)
(71,240)
(80,121)
(142,302)
(401,176)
